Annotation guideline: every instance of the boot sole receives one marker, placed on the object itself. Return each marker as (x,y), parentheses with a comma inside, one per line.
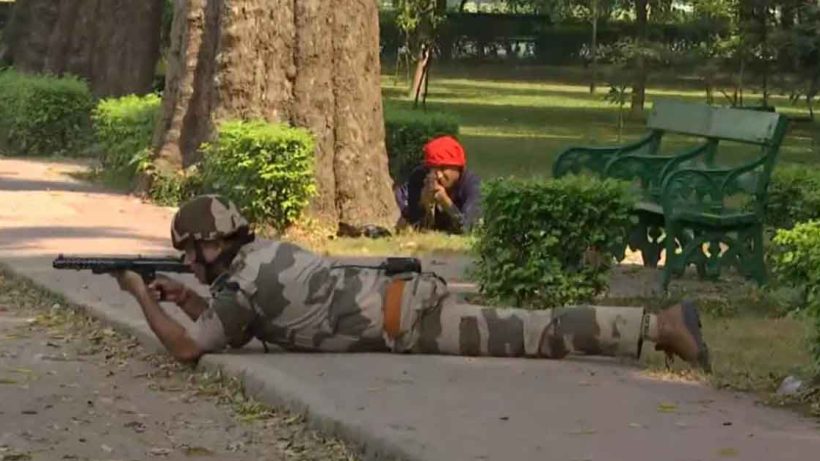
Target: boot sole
(691,318)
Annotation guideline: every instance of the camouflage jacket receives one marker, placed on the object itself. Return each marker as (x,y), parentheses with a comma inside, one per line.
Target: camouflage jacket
(285,295)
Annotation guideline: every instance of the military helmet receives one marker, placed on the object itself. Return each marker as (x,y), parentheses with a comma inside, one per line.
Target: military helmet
(206,217)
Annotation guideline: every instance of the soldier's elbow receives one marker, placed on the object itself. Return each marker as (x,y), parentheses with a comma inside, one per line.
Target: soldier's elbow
(187,353)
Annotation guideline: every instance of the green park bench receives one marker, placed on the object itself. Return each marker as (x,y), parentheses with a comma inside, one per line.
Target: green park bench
(697,209)
(593,160)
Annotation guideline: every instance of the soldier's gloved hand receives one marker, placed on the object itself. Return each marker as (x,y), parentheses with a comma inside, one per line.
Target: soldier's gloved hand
(129,281)
(166,289)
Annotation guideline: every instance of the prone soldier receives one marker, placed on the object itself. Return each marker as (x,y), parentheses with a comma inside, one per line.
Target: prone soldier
(284,295)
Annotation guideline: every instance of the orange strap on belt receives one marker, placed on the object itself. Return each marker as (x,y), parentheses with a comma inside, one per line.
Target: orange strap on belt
(392,308)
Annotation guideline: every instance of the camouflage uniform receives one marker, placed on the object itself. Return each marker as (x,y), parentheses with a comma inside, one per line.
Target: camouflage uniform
(282,294)
(287,296)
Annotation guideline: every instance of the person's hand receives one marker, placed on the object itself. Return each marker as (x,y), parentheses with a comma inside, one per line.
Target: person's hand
(441,197)
(166,289)
(129,281)
(428,193)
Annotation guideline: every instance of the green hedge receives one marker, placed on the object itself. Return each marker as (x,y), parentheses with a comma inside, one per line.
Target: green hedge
(123,127)
(533,245)
(796,263)
(406,133)
(794,196)
(266,169)
(42,115)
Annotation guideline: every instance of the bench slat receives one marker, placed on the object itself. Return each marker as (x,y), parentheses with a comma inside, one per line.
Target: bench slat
(688,118)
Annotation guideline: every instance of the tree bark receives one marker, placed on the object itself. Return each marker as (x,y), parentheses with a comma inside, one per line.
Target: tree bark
(317,68)
(639,84)
(113,44)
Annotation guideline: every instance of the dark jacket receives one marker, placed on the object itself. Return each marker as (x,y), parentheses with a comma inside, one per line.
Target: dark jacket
(466,197)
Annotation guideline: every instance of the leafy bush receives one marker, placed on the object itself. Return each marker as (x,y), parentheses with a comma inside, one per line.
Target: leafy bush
(794,196)
(267,170)
(172,189)
(796,263)
(41,115)
(534,245)
(406,133)
(124,127)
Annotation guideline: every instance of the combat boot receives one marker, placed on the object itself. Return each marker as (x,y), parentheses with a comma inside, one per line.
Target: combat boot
(679,334)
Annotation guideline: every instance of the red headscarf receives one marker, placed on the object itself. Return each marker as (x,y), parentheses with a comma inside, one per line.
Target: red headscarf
(444,151)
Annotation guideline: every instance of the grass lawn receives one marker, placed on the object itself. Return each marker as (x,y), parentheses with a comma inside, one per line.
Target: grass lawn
(749,353)
(516,127)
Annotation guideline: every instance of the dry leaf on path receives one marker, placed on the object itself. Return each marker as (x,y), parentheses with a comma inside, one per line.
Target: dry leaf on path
(198,451)
(583,432)
(159,451)
(727,452)
(666,407)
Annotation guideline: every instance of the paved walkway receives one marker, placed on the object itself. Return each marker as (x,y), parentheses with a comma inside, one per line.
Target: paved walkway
(408,407)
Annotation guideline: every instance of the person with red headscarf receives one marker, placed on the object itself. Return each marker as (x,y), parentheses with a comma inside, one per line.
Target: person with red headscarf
(441,194)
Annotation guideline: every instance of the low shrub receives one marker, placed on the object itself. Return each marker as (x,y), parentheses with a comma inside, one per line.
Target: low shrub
(794,196)
(406,133)
(266,169)
(44,115)
(796,263)
(547,243)
(123,128)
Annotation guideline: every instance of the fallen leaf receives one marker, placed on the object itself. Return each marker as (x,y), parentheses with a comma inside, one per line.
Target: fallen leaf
(106,448)
(16,457)
(235,446)
(198,451)
(7,381)
(636,425)
(159,451)
(28,412)
(666,407)
(24,371)
(727,452)
(136,425)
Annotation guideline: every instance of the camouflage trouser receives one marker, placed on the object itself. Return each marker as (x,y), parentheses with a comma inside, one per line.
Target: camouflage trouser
(432,322)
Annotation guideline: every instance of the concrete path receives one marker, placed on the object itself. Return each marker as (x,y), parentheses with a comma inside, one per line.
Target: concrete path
(406,407)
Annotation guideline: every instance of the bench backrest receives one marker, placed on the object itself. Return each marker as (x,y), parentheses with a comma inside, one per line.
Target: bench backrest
(764,129)
(747,126)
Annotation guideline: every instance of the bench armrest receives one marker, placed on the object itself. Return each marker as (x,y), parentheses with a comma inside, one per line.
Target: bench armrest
(576,158)
(708,188)
(651,169)
(693,189)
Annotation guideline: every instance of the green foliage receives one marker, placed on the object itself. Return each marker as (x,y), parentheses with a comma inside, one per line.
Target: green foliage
(123,128)
(42,115)
(172,189)
(407,132)
(545,243)
(267,170)
(796,263)
(794,196)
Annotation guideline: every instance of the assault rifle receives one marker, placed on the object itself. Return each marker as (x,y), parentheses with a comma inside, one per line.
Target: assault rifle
(146,267)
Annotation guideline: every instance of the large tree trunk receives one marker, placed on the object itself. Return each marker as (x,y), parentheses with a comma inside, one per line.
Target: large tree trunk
(639,84)
(311,63)
(113,44)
